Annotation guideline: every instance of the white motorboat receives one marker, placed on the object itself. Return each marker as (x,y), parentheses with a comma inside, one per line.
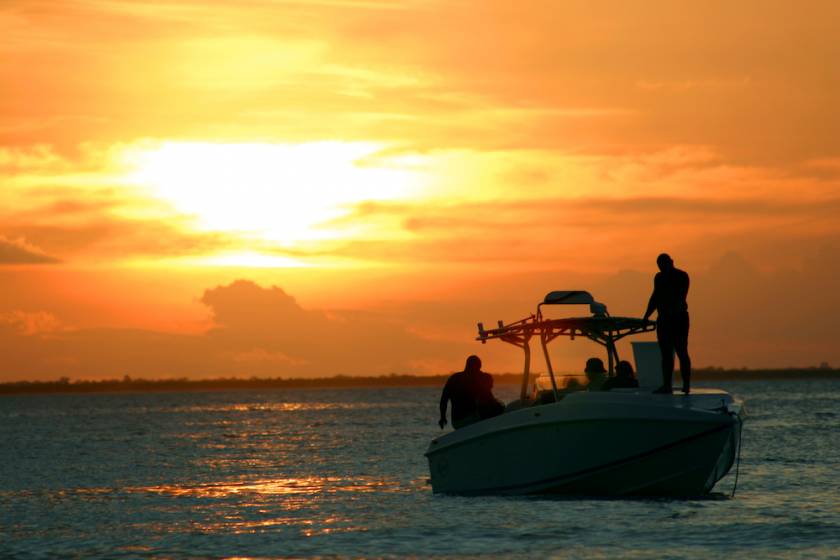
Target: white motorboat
(564,441)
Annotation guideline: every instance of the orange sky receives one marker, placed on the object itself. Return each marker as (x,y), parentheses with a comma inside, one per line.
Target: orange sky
(347,186)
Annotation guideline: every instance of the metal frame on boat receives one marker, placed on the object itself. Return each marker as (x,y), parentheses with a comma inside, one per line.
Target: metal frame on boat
(600,328)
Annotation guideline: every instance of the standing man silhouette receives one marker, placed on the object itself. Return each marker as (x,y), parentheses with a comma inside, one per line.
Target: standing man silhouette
(670,288)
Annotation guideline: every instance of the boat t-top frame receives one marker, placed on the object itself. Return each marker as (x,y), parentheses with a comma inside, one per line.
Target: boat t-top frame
(599,327)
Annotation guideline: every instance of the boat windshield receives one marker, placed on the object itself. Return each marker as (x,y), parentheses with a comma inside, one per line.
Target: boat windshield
(565,382)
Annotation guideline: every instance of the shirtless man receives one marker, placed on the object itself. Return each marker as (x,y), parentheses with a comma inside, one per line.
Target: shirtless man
(670,288)
(471,393)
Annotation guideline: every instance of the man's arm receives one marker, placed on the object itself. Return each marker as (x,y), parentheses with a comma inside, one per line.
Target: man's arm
(444,398)
(653,297)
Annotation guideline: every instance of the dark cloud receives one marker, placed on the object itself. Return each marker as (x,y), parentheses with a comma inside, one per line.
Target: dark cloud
(493,214)
(250,317)
(744,312)
(258,331)
(556,229)
(104,237)
(18,251)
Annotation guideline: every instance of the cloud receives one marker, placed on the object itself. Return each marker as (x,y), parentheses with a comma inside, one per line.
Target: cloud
(267,322)
(257,331)
(36,157)
(19,251)
(588,232)
(111,239)
(30,323)
(578,79)
(744,312)
(99,223)
(543,137)
(470,206)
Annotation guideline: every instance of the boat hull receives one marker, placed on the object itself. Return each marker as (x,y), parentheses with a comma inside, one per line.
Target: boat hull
(593,444)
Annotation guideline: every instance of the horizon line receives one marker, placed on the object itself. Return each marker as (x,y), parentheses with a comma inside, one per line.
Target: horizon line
(129,384)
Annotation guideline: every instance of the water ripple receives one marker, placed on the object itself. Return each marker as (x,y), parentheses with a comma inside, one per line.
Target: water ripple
(315,473)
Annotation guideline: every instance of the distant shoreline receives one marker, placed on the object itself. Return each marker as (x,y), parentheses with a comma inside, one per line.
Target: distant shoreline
(129,385)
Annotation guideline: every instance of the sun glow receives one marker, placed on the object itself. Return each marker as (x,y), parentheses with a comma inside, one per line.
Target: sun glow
(248,259)
(279,193)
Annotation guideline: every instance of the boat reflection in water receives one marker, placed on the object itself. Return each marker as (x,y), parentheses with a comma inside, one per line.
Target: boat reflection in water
(618,442)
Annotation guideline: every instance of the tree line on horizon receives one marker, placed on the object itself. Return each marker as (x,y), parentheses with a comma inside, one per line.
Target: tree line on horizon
(129,384)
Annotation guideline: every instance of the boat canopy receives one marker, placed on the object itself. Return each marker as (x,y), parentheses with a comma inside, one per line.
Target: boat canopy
(574,297)
(569,297)
(599,327)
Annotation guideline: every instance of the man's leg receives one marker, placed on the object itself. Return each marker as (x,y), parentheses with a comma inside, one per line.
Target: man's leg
(665,337)
(681,347)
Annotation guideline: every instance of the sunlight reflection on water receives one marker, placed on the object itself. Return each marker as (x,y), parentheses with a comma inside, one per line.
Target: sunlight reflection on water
(307,485)
(324,472)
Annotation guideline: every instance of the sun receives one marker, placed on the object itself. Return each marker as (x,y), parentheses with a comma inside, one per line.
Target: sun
(278,193)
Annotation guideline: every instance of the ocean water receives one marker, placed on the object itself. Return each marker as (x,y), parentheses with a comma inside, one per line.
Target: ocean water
(304,473)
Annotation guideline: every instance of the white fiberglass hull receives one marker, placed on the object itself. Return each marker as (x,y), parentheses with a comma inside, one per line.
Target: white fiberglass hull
(594,443)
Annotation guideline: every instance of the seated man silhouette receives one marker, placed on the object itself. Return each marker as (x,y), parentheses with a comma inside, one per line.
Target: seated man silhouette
(471,393)
(624,378)
(596,374)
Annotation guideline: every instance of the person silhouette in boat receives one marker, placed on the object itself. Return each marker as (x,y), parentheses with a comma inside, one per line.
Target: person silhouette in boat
(624,378)
(471,393)
(670,289)
(596,374)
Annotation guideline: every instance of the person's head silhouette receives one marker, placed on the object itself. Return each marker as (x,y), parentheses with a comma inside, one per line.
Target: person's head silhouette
(473,364)
(595,365)
(624,369)
(665,262)
(595,371)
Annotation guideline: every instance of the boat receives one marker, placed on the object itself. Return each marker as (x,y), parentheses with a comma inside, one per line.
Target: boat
(564,440)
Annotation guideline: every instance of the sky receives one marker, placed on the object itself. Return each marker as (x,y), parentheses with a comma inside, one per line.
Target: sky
(309,188)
